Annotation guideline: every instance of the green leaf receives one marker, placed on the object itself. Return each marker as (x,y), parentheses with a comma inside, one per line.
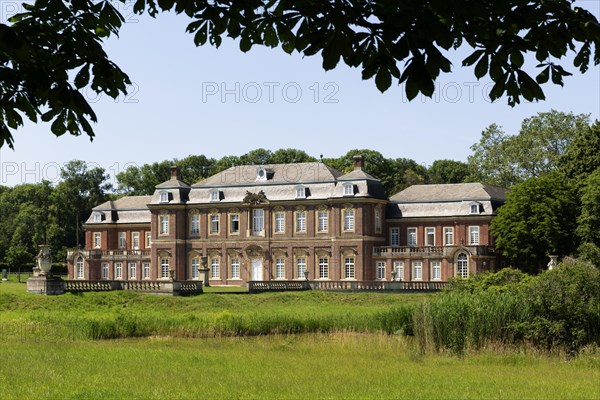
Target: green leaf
(516,58)
(482,67)
(201,35)
(383,80)
(472,58)
(543,76)
(245,44)
(83,77)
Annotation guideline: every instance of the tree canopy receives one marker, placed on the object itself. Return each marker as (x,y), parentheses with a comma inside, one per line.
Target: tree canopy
(54,48)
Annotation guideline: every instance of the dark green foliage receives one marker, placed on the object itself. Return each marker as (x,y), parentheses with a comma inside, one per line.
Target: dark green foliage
(448,171)
(582,156)
(588,228)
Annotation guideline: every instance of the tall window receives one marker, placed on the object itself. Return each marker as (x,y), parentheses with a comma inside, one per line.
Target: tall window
(323,268)
(195,266)
(79,268)
(164,197)
(164,267)
(301,264)
(436,270)
(430,236)
(214,224)
(462,266)
(448,236)
(258,221)
(280,268)
(215,268)
(104,270)
(378,220)
(279,222)
(417,270)
(234,223)
(399,268)
(349,268)
(301,221)
(381,270)
(474,208)
(195,225)
(135,238)
(348,220)
(148,239)
(97,240)
(122,241)
(473,235)
(235,268)
(215,195)
(118,270)
(132,270)
(146,270)
(164,224)
(411,238)
(323,221)
(300,192)
(394,236)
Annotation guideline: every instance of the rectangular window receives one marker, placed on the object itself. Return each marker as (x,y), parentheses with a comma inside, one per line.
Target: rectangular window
(80,268)
(164,224)
(301,221)
(399,268)
(348,190)
(411,238)
(214,224)
(473,235)
(300,193)
(301,264)
(378,224)
(164,267)
(118,270)
(132,271)
(195,266)
(215,268)
(417,270)
(279,222)
(258,221)
(381,270)
(280,268)
(429,236)
(146,268)
(348,220)
(349,268)
(394,236)
(195,225)
(148,239)
(122,242)
(135,238)
(436,270)
(104,270)
(234,223)
(448,236)
(323,221)
(323,268)
(97,240)
(235,268)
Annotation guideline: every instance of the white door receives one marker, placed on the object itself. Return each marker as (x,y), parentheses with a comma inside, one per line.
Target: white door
(257,273)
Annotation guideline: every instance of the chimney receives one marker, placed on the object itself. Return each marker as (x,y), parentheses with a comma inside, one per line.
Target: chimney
(359,162)
(175,172)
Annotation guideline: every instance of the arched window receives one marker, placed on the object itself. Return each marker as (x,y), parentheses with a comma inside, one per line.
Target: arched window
(79,267)
(462,266)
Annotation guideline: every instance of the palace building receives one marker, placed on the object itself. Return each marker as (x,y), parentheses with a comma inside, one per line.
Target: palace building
(290,222)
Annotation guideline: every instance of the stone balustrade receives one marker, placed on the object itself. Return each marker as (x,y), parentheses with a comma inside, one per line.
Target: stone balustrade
(175,288)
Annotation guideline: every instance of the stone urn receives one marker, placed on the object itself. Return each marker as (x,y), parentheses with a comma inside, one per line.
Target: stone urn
(44,259)
(553,262)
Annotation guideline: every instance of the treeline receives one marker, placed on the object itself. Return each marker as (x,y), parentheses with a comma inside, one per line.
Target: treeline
(552,166)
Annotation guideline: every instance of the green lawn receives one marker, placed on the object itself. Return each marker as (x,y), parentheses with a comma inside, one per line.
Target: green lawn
(340,366)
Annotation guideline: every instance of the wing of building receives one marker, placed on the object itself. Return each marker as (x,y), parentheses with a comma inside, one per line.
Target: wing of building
(288,222)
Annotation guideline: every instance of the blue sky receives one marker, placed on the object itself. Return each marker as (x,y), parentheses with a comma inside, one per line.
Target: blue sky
(188,100)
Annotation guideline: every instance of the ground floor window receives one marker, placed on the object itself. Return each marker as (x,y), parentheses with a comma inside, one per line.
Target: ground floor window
(399,268)
(235,268)
(118,270)
(323,268)
(104,270)
(79,268)
(132,271)
(195,266)
(146,270)
(215,268)
(436,270)
(301,264)
(349,268)
(417,270)
(380,270)
(279,268)
(164,267)
(462,266)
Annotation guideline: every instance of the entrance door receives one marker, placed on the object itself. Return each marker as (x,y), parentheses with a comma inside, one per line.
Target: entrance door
(257,270)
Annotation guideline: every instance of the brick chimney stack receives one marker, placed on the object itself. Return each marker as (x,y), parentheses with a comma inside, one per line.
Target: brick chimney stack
(359,162)
(175,173)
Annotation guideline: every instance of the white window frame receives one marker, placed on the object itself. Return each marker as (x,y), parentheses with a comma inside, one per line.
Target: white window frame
(105,271)
(135,240)
(380,270)
(301,265)
(279,222)
(301,221)
(417,270)
(118,270)
(350,267)
(164,196)
(411,233)
(474,208)
(215,195)
(164,224)
(300,192)
(430,234)
(215,268)
(122,240)
(436,270)
(323,263)
(474,235)
(146,270)
(258,221)
(448,233)
(97,240)
(462,266)
(322,220)
(234,222)
(195,225)
(394,236)
(132,270)
(97,217)
(378,221)
(348,189)
(235,268)
(214,222)
(349,220)
(280,268)
(399,268)
(195,264)
(164,268)
(80,270)
(148,239)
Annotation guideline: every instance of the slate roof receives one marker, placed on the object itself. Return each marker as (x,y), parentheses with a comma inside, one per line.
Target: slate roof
(126,210)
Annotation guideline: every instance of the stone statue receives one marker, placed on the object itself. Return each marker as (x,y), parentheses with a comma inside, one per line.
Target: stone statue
(255,198)
(553,262)
(44,259)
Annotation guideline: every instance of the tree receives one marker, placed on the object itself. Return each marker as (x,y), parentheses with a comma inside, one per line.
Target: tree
(138,181)
(54,48)
(582,156)
(537,150)
(448,171)
(588,222)
(538,219)
(286,156)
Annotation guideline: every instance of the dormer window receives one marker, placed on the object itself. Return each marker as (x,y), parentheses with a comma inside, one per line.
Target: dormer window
(215,195)
(261,174)
(300,192)
(164,196)
(474,208)
(98,217)
(348,189)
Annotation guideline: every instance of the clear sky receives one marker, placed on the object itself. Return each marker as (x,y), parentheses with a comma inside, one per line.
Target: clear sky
(188,100)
